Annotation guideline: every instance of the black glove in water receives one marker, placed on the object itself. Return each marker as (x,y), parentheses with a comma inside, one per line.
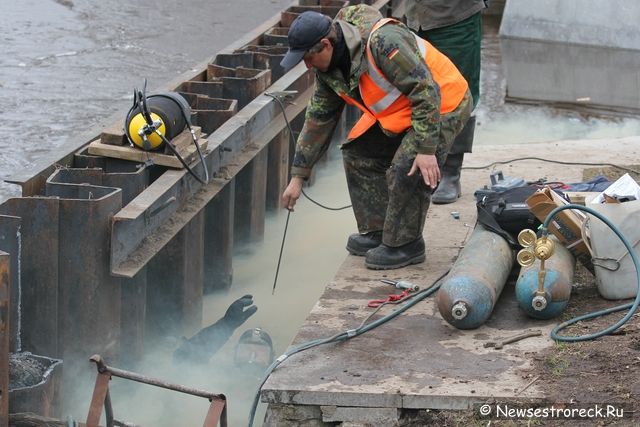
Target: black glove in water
(236,314)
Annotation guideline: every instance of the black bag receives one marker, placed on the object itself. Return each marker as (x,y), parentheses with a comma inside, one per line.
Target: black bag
(507,213)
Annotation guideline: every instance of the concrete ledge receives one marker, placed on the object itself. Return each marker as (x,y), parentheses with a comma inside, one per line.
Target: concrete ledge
(418,360)
(382,416)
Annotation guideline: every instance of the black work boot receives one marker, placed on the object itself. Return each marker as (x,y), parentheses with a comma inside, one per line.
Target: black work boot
(359,244)
(448,190)
(387,257)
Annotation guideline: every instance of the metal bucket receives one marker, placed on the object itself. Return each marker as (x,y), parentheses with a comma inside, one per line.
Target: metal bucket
(34,384)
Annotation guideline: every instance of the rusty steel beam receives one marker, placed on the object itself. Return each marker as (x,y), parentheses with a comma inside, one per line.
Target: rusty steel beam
(88,296)
(243,84)
(10,242)
(276,36)
(218,241)
(278,175)
(98,399)
(217,409)
(208,112)
(208,89)
(5,291)
(288,16)
(251,197)
(257,57)
(174,302)
(143,379)
(133,319)
(39,272)
(131,177)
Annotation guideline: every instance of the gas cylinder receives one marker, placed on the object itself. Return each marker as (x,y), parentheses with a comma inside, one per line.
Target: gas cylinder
(558,276)
(472,287)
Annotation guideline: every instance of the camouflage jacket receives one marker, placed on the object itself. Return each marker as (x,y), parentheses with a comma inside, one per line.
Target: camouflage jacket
(406,70)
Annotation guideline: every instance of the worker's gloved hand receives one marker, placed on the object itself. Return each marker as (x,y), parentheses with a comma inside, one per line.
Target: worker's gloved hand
(239,311)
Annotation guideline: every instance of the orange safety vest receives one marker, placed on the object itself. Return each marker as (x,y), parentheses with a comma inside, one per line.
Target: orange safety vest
(383,102)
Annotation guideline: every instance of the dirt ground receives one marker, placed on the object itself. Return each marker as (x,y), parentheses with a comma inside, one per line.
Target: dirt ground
(604,371)
(600,372)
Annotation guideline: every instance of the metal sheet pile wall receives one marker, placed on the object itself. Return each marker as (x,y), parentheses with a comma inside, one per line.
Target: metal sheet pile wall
(102,249)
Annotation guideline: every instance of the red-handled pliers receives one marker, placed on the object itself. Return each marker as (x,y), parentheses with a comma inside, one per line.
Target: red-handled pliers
(391,298)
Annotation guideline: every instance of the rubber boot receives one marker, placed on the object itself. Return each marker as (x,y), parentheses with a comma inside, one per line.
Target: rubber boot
(448,190)
(359,244)
(386,257)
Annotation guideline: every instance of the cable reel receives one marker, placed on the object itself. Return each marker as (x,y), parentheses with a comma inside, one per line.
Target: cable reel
(154,120)
(161,112)
(156,116)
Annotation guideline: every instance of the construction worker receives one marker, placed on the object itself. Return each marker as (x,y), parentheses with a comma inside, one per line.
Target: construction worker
(413,102)
(205,343)
(454,27)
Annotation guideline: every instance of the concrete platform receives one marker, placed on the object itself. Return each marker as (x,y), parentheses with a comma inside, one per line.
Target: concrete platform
(565,52)
(418,360)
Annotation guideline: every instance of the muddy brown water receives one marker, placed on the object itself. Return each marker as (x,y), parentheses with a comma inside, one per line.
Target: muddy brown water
(65,66)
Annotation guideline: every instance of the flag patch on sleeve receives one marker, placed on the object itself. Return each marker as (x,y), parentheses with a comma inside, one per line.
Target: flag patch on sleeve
(393,53)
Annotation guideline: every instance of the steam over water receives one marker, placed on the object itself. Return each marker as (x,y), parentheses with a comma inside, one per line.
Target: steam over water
(312,253)
(67,66)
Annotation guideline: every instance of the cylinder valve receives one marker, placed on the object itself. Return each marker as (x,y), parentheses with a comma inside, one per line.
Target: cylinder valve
(541,248)
(459,310)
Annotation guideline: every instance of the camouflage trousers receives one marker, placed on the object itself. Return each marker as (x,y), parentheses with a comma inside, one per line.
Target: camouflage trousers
(383,196)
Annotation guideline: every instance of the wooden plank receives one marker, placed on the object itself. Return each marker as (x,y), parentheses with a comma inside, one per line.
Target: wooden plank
(136,155)
(114,135)
(185,139)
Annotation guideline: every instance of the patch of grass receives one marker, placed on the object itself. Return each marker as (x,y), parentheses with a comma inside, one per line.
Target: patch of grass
(567,314)
(557,365)
(561,346)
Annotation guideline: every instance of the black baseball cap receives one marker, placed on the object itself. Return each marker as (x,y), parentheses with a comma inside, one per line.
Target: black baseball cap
(305,32)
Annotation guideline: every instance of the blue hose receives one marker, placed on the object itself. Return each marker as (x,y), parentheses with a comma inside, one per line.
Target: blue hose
(631,306)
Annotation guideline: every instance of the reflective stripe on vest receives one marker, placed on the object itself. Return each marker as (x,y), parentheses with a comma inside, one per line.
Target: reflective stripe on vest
(385,103)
